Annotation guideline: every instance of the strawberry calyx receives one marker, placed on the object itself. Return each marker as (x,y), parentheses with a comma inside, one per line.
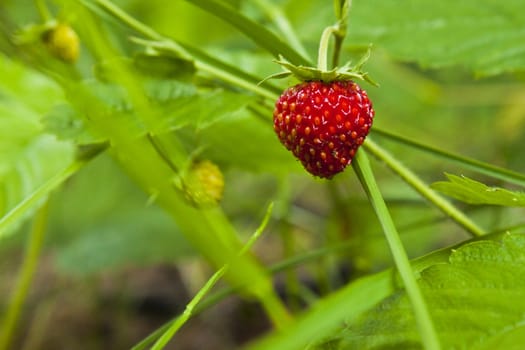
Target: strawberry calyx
(305,73)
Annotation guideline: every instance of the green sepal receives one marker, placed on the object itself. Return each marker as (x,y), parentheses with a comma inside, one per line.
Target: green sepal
(280,75)
(304,73)
(33,33)
(163,47)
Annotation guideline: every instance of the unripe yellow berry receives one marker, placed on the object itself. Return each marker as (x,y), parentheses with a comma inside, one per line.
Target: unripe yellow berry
(63,43)
(204,184)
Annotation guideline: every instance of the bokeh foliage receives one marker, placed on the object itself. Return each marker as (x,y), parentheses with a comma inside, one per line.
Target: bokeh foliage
(451,76)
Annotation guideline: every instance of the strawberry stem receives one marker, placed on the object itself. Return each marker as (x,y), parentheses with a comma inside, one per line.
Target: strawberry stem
(362,167)
(342,8)
(322,58)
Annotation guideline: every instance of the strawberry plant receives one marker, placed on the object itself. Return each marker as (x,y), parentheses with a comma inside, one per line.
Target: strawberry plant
(177,174)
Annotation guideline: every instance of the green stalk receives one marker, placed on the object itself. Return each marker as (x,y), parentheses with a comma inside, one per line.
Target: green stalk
(292,284)
(114,10)
(418,264)
(234,80)
(474,164)
(32,252)
(342,8)
(416,183)
(189,311)
(364,172)
(427,331)
(43,11)
(161,42)
(324,43)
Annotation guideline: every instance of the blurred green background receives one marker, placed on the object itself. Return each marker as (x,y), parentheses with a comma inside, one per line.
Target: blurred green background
(114,267)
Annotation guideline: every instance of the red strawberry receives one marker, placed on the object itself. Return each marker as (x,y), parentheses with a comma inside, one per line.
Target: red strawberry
(323,123)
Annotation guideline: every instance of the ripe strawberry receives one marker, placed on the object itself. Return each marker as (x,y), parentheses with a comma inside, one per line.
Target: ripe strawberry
(323,123)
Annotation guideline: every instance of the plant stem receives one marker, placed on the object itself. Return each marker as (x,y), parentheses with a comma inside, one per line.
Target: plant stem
(292,284)
(363,170)
(474,164)
(236,81)
(324,43)
(32,252)
(129,20)
(419,264)
(180,50)
(188,312)
(43,10)
(342,8)
(182,319)
(415,182)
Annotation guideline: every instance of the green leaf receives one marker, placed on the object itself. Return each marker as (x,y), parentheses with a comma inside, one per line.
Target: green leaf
(30,157)
(36,163)
(474,192)
(475,299)
(200,110)
(329,312)
(64,122)
(346,305)
(484,36)
(68,124)
(32,91)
